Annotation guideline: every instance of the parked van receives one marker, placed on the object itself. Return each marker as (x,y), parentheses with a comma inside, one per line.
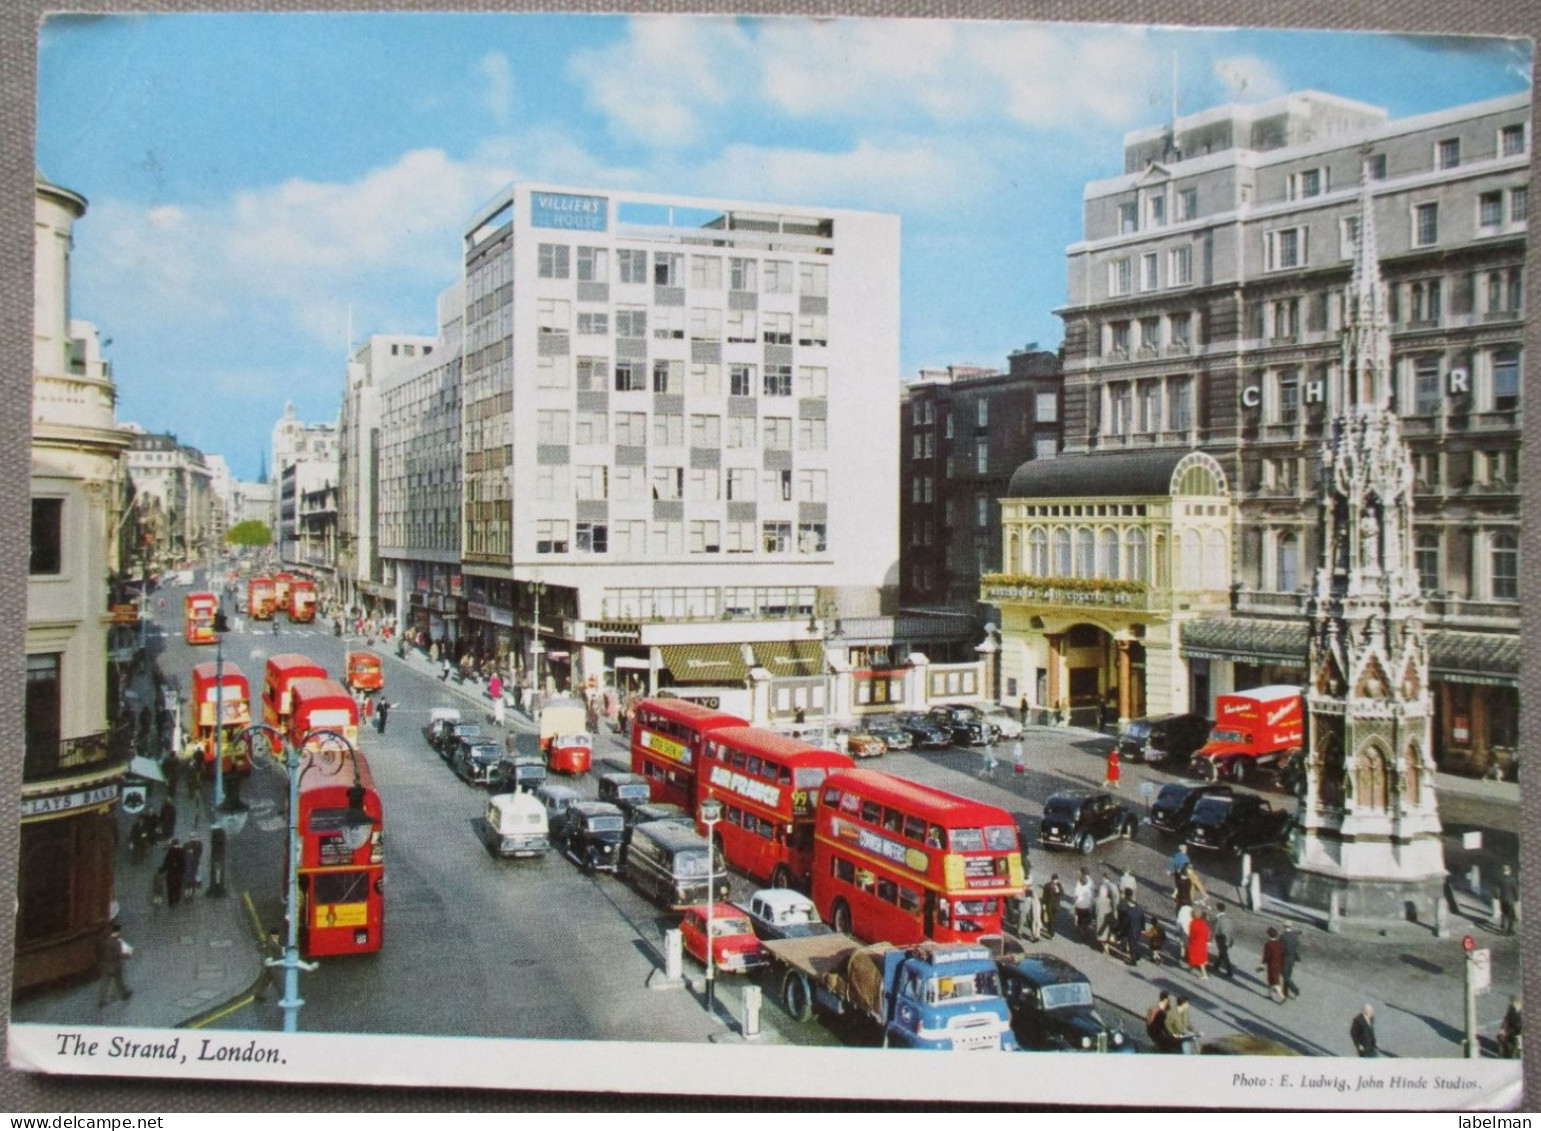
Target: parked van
(668,863)
(625,791)
(556,798)
(516,825)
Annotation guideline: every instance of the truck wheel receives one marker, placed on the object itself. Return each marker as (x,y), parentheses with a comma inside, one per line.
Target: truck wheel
(1237,771)
(840,917)
(796,995)
(1087,844)
(781,877)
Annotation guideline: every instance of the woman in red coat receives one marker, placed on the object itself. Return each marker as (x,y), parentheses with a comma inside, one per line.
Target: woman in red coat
(1198,944)
(1111,779)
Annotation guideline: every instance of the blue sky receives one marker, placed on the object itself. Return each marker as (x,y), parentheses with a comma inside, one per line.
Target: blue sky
(257,179)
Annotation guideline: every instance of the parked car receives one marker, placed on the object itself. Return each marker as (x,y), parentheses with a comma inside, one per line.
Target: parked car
(440,720)
(735,947)
(474,759)
(924,732)
(1083,821)
(1240,823)
(864,744)
(894,736)
(655,813)
(592,832)
(519,772)
(1051,1003)
(675,866)
(625,790)
(965,722)
(1163,737)
(449,734)
(781,913)
(1004,720)
(556,798)
(515,825)
(1174,805)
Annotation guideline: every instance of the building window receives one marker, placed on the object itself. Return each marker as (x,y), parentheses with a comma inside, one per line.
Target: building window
(1490,211)
(1504,559)
(668,324)
(813,279)
(44,717)
(632,265)
(1375,167)
(1123,406)
(668,376)
(704,379)
(1348,236)
(741,432)
(668,430)
(1426,559)
(593,322)
(1085,552)
(741,379)
(1286,396)
(813,486)
(1180,329)
(1149,273)
(776,537)
(1046,408)
(742,326)
(1447,154)
(1062,564)
(1121,276)
(551,536)
(982,510)
(1128,218)
(1150,406)
(1426,386)
(776,433)
(1134,560)
(705,485)
(742,275)
(593,266)
(741,485)
(1285,248)
(705,431)
(1155,208)
(813,330)
(776,327)
(630,377)
(591,481)
(593,538)
(47,556)
(550,428)
(1511,141)
(1426,224)
(777,381)
(1118,339)
(1286,319)
(668,269)
(1519,204)
(1506,380)
(1424,302)
(1038,554)
(1304,184)
(1187,204)
(591,373)
(631,322)
(810,538)
(630,429)
(812,381)
(813,435)
(705,537)
(1107,554)
(553,260)
(668,483)
(706,272)
(1179,267)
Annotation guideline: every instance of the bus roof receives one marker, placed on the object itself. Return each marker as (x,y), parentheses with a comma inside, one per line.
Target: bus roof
(919,800)
(202,599)
(318,687)
(209,670)
(294,665)
(687,711)
(781,747)
(343,778)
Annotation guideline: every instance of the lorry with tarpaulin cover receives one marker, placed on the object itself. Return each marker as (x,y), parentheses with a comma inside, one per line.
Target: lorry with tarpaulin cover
(927,996)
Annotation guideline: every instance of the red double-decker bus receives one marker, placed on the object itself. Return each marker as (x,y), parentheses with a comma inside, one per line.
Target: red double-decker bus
(260,601)
(320,705)
(342,857)
(281,585)
(302,601)
(895,861)
(666,739)
(220,690)
(282,670)
(768,785)
(198,611)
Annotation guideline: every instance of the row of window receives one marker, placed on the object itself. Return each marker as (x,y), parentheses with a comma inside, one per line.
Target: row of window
(638,537)
(668,269)
(1145,337)
(554,483)
(1203,557)
(1499,550)
(1419,387)
(1045,410)
(665,375)
(667,429)
(700,324)
(1161,404)
(1179,271)
(709,602)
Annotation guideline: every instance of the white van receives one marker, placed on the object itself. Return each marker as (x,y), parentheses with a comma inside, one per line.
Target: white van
(516,825)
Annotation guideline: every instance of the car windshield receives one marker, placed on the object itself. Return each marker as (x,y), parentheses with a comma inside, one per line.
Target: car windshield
(1218,735)
(1171,795)
(691,863)
(1067,994)
(957,987)
(607,824)
(1060,808)
(1211,809)
(1137,730)
(1001,838)
(486,755)
(731,925)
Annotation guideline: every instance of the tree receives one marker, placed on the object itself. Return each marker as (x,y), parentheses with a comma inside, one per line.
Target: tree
(252,532)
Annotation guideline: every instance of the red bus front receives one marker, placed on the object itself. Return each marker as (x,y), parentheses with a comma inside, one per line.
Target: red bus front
(281,585)
(895,861)
(220,690)
(259,598)
(318,705)
(282,670)
(364,672)
(666,737)
(198,611)
(569,753)
(342,859)
(302,601)
(769,786)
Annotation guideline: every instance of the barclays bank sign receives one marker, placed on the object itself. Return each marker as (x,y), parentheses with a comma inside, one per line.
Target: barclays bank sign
(569,212)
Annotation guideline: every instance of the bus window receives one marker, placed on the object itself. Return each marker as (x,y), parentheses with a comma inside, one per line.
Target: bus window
(871,812)
(967,840)
(1000,838)
(914,829)
(892,819)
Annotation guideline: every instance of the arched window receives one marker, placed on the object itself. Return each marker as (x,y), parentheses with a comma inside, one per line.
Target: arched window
(1163,571)
(1191,574)
(1217,561)
(1085,547)
(1505,565)
(1013,562)
(1134,555)
(1038,553)
(1107,553)
(1287,563)
(1062,567)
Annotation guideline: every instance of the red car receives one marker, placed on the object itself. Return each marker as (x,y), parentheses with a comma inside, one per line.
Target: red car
(735,947)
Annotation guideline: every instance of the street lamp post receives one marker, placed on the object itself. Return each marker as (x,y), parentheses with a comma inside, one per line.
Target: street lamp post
(536,588)
(711,813)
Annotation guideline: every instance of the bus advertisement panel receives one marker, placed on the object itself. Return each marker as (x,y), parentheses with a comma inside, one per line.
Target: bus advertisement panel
(220,690)
(198,611)
(342,860)
(768,785)
(282,582)
(282,671)
(666,741)
(317,705)
(899,862)
(302,601)
(259,598)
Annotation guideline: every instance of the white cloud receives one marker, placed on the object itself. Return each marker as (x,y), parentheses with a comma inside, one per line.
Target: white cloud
(499,92)
(1249,79)
(660,85)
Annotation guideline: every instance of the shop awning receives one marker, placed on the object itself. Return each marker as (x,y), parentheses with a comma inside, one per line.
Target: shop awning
(1490,658)
(784,658)
(705,663)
